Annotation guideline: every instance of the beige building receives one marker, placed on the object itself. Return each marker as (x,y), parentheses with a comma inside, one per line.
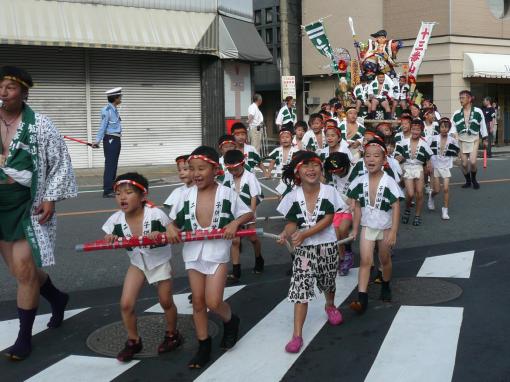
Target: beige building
(469,48)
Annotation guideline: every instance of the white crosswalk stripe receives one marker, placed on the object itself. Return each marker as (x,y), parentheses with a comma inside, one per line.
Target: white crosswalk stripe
(9,328)
(455,265)
(83,369)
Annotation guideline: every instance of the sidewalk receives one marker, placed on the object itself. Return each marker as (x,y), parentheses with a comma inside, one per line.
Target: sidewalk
(93,177)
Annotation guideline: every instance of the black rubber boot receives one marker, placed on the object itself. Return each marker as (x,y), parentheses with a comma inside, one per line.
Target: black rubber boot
(468,181)
(259,265)
(58,301)
(476,185)
(23,345)
(385,291)
(230,332)
(202,356)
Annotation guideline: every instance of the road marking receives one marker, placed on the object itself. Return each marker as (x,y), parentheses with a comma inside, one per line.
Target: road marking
(420,345)
(269,189)
(456,265)
(151,187)
(9,328)
(260,355)
(484,181)
(184,307)
(79,368)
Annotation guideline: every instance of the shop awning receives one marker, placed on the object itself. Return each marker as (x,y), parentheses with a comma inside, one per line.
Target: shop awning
(239,40)
(52,23)
(486,65)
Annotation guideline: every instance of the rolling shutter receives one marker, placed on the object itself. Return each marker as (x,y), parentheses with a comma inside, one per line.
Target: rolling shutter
(59,89)
(160,111)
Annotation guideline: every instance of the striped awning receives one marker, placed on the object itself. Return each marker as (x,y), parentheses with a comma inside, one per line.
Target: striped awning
(55,23)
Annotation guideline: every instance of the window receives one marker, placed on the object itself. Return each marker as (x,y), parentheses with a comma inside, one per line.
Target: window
(269,15)
(269,36)
(258,17)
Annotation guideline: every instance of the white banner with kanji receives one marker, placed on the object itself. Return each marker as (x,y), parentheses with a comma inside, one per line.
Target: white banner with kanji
(419,48)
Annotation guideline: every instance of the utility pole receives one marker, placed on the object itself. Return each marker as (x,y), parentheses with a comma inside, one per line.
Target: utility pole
(284,38)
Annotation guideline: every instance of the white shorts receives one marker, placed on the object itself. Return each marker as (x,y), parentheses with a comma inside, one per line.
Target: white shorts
(202,266)
(160,273)
(412,171)
(467,147)
(442,173)
(372,234)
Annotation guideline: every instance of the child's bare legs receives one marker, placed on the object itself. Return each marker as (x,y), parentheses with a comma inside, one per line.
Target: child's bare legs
(167,303)
(300,311)
(341,248)
(366,260)
(133,283)
(214,287)
(436,186)
(418,190)
(446,191)
(409,190)
(257,249)
(256,245)
(345,249)
(384,255)
(197,284)
(235,254)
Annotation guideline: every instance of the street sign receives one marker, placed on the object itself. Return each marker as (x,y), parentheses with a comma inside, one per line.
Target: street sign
(288,86)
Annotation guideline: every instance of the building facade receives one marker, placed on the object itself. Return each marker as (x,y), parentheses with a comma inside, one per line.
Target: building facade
(469,47)
(172,58)
(267,76)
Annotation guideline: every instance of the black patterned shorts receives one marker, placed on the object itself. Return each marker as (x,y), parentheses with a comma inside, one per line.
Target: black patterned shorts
(313,264)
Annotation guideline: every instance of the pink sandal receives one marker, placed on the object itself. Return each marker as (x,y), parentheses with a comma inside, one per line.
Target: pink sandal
(334,315)
(294,345)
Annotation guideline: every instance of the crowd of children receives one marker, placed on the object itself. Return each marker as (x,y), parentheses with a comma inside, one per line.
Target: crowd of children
(337,179)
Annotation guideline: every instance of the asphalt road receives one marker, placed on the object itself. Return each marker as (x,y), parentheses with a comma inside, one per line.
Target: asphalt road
(354,351)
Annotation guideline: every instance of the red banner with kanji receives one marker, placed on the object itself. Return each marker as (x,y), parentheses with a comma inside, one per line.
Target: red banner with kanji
(419,48)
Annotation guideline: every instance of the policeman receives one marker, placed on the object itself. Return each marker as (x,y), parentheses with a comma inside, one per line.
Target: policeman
(110,132)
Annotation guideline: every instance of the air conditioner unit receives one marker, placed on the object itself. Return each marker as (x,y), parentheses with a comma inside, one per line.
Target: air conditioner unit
(313,100)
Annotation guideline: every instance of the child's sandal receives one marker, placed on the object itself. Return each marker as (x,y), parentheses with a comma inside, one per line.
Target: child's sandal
(405,216)
(417,221)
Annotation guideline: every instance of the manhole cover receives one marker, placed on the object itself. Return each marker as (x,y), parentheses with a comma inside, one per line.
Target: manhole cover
(110,339)
(418,291)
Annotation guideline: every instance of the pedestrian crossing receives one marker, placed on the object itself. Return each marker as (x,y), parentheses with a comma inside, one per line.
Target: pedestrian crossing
(420,343)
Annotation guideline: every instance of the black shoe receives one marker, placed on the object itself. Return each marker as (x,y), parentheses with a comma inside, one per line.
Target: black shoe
(259,265)
(203,355)
(417,221)
(361,304)
(468,181)
(170,342)
(385,291)
(130,349)
(109,195)
(230,332)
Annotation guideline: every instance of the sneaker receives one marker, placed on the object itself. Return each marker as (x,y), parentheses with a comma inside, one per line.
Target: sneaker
(294,345)
(346,264)
(444,214)
(259,265)
(230,332)
(170,342)
(334,315)
(130,349)
(430,203)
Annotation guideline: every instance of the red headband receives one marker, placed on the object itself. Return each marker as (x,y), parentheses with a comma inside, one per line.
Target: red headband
(225,142)
(337,130)
(204,158)
(314,159)
(376,144)
(232,166)
(132,182)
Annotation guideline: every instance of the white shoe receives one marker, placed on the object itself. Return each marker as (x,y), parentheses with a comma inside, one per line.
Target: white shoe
(430,203)
(444,215)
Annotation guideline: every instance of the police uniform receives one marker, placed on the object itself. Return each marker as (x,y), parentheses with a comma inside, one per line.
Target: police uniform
(110,132)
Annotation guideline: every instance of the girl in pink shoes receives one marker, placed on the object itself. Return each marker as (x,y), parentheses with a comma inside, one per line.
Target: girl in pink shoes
(309,210)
